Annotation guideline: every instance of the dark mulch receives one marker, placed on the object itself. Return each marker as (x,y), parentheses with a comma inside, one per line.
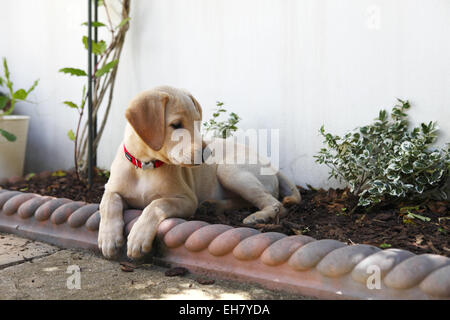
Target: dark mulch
(61,184)
(321,214)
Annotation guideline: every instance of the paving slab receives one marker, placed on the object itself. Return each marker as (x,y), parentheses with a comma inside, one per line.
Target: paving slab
(14,250)
(53,276)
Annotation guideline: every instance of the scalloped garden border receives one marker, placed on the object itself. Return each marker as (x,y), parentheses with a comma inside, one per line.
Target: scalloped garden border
(300,264)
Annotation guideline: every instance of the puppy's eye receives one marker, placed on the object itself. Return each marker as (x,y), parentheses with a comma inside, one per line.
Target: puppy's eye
(176,125)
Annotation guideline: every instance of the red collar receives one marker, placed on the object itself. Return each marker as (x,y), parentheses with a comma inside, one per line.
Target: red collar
(143,165)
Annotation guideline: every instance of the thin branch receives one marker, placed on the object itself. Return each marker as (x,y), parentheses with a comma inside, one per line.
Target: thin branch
(102,86)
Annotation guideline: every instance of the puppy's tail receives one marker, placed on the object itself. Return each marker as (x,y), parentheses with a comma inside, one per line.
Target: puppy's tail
(288,191)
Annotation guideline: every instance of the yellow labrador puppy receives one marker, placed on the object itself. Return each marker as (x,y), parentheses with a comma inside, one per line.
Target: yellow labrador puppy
(149,173)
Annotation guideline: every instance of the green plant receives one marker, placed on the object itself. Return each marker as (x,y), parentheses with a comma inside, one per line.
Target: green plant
(8,100)
(107,56)
(104,173)
(410,213)
(385,161)
(221,129)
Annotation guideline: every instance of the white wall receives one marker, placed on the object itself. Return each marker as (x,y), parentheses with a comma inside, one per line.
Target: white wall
(291,64)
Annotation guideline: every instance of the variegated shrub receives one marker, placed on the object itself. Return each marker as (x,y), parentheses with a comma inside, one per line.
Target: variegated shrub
(387,161)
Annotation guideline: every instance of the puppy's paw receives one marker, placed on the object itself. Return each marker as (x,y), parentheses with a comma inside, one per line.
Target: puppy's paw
(257,217)
(140,239)
(110,237)
(290,201)
(271,212)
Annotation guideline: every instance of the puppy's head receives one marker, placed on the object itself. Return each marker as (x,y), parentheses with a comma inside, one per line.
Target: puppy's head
(167,123)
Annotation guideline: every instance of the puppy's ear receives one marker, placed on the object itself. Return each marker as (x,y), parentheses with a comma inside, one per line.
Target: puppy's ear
(146,115)
(196,104)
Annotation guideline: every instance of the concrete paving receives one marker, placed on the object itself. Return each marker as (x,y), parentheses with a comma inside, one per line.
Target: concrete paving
(34,270)
(15,250)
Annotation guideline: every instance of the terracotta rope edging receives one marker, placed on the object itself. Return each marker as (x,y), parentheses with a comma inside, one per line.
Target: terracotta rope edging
(300,264)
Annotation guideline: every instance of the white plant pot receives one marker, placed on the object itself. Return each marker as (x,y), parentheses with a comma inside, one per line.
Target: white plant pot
(12,154)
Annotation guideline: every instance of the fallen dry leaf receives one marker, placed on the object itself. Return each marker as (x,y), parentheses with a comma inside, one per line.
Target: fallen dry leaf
(178,271)
(205,280)
(419,239)
(126,268)
(128,264)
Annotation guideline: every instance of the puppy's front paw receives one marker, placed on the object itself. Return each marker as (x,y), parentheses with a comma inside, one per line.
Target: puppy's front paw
(140,238)
(110,237)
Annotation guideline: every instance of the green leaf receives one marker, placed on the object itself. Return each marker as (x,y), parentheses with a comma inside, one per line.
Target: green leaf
(59,173)
(407,168)
(106,68)
(95,24)
(71,104)
(6,69)
(71,135)
(3,101)
(97,47)
(123,22)
(20,94)
(363,202)
(419,188)
(83,98)
(385,245)
(322,130)
(418,216)
(9,136)
(73,72)
(85,42)
(382,115)
(30,176)
(36,82)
